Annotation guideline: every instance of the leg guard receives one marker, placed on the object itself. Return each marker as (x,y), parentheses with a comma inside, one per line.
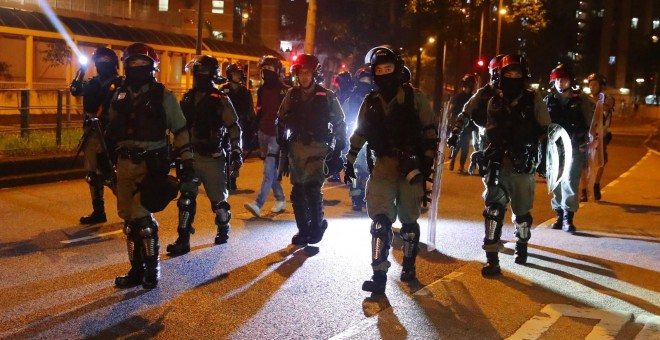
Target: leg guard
(560,219)
(134,247)
(410,235)
(494,214)
(568,225)
(187,209)
(96,191)
(357,191)
(381,240)
(148,231)
(301,213)
(317,225)
(522,233)
(222,217)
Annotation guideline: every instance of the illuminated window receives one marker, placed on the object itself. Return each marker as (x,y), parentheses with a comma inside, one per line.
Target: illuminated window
(634,22)
(612,60)
(218,7)
(163,5)
(656,23)
(219,35)
(601,13)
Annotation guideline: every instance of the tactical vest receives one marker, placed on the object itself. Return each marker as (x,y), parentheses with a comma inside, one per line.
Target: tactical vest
(203,121)
(309,120)
(512,127)
(399,130)
(570,117)
(481,112)
(98,96)
(240,98)
(142,118)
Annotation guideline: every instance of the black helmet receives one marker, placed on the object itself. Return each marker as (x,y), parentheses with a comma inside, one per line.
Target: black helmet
(382,55)
(140,50)
(515,61)
(104,54)
(597,77)
(271,61)
(307,61)
(406,74)
(344,80)
(493,66)
(469,80)
(234,67)
(363,72)
(205,64)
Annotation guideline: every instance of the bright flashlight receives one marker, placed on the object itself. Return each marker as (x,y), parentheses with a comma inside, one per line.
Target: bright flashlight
(60,28)
(83,60)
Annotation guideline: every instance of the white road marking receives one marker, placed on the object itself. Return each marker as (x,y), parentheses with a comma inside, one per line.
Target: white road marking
(609,326)
(651,330)
(91,237)
(356,330)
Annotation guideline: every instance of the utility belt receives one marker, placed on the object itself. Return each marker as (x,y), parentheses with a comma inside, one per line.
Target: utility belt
(137,155)
(307,137)
(524,159)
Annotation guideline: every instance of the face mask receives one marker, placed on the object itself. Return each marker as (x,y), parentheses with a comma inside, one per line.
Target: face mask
(105,69)
(270,77)
(512,87)
(139,74)
(387,83)
(203,81)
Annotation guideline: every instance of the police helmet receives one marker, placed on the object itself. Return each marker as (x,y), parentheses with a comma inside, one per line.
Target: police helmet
(104,54)
(469,80)
(344,80)
(562,71)
(597,77)
(306,61)
(493,67)
(383,55)
(513,61)
(363,75)
(140,50)
(271,61)
(406,74)
(205,64)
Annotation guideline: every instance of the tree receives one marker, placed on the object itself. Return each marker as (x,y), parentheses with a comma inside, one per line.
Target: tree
(57,54)
(4,71)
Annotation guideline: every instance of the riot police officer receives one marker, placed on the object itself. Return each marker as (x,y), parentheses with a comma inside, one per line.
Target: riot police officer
(398,124)
(456,105)
(141,113)
(241,99)
(209,116)
(572,110)
(474,112)
(516,124)
(97,93)
(311,128)
(363,86)
(269,99)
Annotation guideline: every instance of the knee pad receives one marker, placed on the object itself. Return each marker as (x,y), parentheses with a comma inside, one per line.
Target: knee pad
(410,235)
(222,213)
(381,226)
(523,230)
(187,201)
(93,179)
(494,215)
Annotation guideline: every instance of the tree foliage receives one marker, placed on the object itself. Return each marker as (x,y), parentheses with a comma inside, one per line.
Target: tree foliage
(530,13)
(57,54)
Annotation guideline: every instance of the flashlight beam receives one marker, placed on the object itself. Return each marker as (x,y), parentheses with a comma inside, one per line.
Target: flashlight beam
(60,28)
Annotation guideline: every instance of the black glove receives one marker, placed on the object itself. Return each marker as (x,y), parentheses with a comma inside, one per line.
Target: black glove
(349,173)
(236,160)
(452,141)
(185,170)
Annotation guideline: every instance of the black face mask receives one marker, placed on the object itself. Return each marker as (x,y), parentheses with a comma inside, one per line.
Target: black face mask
(139,75)
(388,84)
(512,87)
(106,69)
(270,77)
(203,82)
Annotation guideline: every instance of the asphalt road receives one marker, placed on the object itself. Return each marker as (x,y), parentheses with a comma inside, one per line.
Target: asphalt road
(56,277)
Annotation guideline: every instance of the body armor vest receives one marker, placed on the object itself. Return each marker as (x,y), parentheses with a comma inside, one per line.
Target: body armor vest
(480,113)
(140,118)
(309,119)
(570,117)
(98,96)
(203,121)
(514,131)
(400,130)
(240,98)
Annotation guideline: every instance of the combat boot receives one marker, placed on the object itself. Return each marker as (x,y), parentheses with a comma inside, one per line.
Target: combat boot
(96,191)
(317,225)
(94,218)
(560,220)
(377,283)
(136,273)
(492,266)
(597,191)
(568,225)
(151,272)
(222,218)
(222,236)
(301,214)
(181,245)
(408,272)
(520,256)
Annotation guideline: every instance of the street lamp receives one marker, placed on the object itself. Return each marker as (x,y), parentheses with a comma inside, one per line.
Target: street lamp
(245,17)
(501,12)
(418,66)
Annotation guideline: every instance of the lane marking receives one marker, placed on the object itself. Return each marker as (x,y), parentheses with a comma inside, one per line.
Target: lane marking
(609,326)
(91,237)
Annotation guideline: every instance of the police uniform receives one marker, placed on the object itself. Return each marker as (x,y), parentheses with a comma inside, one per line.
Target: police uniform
(315,122)
(141,113)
